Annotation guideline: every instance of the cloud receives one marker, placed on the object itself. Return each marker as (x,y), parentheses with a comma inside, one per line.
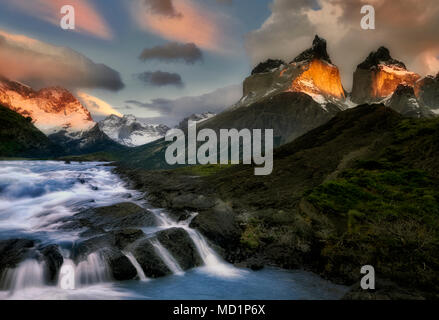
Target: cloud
(173,51)
(96,106)
(407,27)
(160,78)
(87,19)
(195,24)
(161,7)
(40,64)
(171,112)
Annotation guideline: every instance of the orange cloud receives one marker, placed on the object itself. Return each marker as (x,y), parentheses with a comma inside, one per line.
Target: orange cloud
(194,24)
(87,18)
(97,106)
(42,64)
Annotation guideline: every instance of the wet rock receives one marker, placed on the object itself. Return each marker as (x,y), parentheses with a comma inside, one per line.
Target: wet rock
(126,237)
(180,245)
(121,215)
(91,232)
(53,259)
(110,246)
(219,225)
(115,240)
(146,256)
(120,266)
(14,251)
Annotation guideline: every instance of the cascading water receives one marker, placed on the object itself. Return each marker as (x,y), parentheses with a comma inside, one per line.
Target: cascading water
(28,274)
(135,263)
(36,195)
(93,270)
(167,258)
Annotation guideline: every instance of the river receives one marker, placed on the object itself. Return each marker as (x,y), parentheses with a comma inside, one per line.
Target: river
(36,195)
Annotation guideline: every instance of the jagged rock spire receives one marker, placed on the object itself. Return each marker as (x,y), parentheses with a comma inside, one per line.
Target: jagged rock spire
(317,51)
(267,66)
(381,56)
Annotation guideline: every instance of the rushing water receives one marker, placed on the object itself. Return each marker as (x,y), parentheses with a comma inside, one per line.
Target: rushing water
(35,195)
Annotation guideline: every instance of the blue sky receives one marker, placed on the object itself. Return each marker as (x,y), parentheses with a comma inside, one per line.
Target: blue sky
(216,70)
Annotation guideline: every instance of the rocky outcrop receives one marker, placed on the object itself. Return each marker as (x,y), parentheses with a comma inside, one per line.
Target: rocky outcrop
(14,251)
(268,66)
(427,91)
(147,257)
(53,259)
(317,51)
(118,216)
(311,72)
(405,102)
(110,247)
(181,246)
(379,76)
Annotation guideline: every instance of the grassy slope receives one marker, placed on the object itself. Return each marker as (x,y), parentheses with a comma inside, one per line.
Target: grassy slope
(362,189)
(20,138)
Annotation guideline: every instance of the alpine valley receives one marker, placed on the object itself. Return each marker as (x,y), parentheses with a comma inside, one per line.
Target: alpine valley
(355,182)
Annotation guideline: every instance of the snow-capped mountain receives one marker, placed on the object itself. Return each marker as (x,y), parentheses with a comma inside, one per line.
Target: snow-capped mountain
(128,131)
(196,117)
(52,109)
(377,78)
(312,73)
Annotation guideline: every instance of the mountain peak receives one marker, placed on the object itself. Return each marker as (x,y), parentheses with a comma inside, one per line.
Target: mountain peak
(128,131)
(317,51)
(381,56)
(52,109)
(267,66)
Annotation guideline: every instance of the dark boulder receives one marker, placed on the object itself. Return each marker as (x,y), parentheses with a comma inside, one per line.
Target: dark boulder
(120,266)
(53,259)
(219,225)
(151,263)
(14,251)
(121,215)
(180,245)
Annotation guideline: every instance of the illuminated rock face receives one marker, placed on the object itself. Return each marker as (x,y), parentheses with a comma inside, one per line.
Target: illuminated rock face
(311,73)
(52,109)
(379,76)
(378,84)
(319,78)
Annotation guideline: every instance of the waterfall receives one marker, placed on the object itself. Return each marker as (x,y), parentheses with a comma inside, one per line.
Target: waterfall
(28,274)
(136,265)
(166,257)
(93,270)
(213,263)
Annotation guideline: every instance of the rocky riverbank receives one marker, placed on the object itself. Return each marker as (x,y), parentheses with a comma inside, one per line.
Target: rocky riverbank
(340,197)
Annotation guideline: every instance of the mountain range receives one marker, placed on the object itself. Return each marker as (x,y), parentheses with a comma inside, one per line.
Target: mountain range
(290,98)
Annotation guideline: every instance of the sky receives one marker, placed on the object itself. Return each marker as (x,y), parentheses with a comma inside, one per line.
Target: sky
(162,60)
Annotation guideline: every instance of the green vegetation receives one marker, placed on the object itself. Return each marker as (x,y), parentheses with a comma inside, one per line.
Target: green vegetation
(203,170)
(19,137)
(387,217)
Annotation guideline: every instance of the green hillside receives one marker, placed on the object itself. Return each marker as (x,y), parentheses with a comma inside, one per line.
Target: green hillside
(20,138)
